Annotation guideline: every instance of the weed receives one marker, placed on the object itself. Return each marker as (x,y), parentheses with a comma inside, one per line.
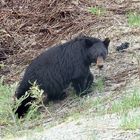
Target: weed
(130,122)
(36,93)
(128,102)
(133,19)
(97,11)
(100,85)
(2,65)
(6,102)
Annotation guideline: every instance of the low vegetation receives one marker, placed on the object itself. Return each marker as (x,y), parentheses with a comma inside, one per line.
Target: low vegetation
(130,122)
(97,11)
(134,19)
(33,121)
(12,126)
(129,101)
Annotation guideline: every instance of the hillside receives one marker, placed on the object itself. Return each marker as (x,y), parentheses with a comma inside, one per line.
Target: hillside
(111,111)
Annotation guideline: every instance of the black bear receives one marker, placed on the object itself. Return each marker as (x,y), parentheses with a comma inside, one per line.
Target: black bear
(56,68)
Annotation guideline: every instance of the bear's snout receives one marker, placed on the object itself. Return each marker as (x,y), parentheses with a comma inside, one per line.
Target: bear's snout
(100,62)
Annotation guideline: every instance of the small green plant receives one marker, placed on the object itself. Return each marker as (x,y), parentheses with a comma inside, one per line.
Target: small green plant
(130,122)
(128,102)
(97,11)
(100,84)
(92,136)
(2,65)
(36,93)
(133,19)
(6,102)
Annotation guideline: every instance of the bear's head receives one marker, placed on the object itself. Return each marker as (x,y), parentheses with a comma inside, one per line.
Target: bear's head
(97,50)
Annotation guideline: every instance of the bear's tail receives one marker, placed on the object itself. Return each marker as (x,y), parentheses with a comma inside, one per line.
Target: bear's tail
(24,105)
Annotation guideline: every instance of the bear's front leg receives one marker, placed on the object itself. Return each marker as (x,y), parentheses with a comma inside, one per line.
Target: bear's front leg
(82,85)
(89,81)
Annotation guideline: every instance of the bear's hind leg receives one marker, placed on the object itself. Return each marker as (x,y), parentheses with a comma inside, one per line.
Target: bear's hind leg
(24,106)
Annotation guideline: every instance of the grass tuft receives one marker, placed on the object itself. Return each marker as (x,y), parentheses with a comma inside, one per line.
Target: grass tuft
(97,11)
(130,122)
(133,19)
(100,85)
(127,102)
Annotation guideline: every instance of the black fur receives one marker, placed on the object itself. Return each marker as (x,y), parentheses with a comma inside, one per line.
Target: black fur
(61,65)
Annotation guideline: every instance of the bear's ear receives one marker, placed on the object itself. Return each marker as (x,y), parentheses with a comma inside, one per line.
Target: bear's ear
(88,43)
(106,42)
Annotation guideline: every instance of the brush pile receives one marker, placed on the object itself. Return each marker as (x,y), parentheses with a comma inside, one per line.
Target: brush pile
(27,27)
(34,24)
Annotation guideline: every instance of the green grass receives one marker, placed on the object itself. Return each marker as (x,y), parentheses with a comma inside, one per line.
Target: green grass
(6,112)
(129,101)
(130,122)
(133,19)
(97,11)
(2,65)
(100,85)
